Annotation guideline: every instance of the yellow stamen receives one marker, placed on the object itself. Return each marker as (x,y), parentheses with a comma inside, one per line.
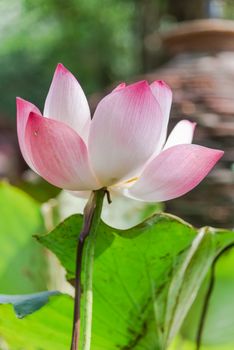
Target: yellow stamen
(131,180)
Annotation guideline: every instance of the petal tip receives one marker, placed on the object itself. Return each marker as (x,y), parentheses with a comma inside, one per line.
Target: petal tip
(161,83)
(140,87)
(219,154)
(20,101)
(142,84)
(120,86)
(62,72)
(23,105)
(61,69)
(193,127)
(192,124)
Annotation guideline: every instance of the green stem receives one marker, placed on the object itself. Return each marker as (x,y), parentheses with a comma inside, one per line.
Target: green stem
(88,271)
(92,214)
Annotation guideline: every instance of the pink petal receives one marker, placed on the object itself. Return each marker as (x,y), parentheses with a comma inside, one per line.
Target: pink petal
(119,87)
(174,172)
(181,134)
(23,110)
(59,154)
(66,101)
(123,132)
(163,95)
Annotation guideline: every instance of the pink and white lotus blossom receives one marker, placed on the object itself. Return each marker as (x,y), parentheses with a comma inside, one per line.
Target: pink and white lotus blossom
(122,148)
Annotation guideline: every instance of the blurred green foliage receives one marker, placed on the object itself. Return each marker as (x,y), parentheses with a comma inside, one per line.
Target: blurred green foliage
(99,41)
(95,42)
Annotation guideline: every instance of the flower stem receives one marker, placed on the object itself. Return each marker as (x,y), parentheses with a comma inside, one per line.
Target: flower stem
(92,214)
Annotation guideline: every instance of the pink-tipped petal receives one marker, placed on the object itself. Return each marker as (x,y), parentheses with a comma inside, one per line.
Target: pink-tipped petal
(66,101)
(163,95)
(119,87)
(24,108)
(174,172)
(181,134)
(123,132)
(59,154)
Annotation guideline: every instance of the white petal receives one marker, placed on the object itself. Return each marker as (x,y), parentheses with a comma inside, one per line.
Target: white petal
(163,95)
(181,134)
(66,102)
(123,132)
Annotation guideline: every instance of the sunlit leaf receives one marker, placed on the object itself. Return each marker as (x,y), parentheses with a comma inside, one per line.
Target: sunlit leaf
(219,323)
(46,329)
(147,279)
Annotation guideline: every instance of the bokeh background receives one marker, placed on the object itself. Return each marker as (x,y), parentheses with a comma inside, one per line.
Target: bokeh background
(189,44)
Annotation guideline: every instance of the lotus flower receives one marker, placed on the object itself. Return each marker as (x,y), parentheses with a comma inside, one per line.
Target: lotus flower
(122,148)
